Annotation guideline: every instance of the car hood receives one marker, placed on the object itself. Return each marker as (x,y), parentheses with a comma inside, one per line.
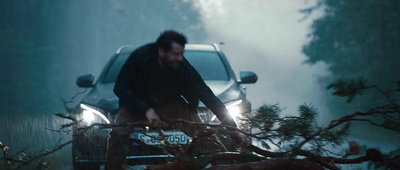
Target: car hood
(225,90)
(103,97)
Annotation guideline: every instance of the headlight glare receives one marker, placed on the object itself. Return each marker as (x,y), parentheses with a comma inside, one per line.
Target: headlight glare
(88,116)
(234,111)
(233,108)
(90,113)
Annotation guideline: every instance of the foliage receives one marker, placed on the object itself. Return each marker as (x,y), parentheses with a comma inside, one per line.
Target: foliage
(292,132)
(355,38)
(348,88)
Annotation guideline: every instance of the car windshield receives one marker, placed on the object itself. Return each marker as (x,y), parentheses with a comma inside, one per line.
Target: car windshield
(115,68)
(207,63)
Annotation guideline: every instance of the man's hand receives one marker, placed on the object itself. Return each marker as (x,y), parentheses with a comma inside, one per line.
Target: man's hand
(229,121)
(152,116)
(243,140)
(237,137)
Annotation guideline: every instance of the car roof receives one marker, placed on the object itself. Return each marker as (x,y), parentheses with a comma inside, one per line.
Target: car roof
(194,47)
(202,47)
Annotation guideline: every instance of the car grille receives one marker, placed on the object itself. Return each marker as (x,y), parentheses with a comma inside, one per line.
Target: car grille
(207,116)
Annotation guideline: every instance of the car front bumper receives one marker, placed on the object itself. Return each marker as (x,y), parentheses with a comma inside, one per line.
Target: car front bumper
(91,147)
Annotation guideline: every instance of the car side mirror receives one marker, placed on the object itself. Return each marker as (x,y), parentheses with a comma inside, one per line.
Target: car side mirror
(85,80)
(248,77)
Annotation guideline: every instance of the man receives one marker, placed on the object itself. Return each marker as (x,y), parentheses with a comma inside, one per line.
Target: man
(157,84)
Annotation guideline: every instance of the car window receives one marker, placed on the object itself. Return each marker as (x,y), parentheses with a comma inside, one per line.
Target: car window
(208,64)
(115,68)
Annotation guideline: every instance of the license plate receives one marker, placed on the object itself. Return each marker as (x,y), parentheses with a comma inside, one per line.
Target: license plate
(173,137)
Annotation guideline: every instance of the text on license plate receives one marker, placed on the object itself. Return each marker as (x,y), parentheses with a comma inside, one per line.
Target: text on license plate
(173,137)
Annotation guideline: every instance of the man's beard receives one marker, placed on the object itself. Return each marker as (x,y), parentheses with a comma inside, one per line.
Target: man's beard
(172,65)
(175,65)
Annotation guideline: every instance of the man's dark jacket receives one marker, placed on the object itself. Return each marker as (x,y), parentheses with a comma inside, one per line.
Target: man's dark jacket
(143,84)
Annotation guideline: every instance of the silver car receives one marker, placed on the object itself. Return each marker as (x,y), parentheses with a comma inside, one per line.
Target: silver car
(100,105)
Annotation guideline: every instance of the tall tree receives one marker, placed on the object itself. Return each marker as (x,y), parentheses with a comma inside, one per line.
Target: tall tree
(357,38)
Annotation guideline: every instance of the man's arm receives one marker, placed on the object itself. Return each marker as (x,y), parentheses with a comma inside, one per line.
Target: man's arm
(209,99)
(218,108)
(125,83)
(215,105)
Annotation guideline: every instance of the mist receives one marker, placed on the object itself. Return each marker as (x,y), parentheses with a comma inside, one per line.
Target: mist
(267,38)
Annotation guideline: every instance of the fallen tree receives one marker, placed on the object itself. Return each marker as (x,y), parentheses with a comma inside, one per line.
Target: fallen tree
(298,140)
(302,143)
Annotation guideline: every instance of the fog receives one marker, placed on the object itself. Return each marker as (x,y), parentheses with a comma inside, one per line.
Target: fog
(267,37)
(46,44)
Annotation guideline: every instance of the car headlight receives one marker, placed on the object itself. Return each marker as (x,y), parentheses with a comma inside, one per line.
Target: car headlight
(234,109)
(91,114)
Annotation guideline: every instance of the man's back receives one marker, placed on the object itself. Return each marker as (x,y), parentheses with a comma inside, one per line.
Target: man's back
(158,87)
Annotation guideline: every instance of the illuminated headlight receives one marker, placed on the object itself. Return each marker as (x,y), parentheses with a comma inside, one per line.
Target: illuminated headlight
(91,115)
(234,109)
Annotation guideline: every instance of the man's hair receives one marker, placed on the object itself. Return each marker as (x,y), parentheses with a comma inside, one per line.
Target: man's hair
(167,37)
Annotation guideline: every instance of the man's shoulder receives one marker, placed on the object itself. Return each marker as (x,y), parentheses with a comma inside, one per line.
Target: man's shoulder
(145,49)
(187,66)
(142,53)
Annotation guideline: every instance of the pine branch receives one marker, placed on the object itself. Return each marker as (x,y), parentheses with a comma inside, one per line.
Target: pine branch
(35,158)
